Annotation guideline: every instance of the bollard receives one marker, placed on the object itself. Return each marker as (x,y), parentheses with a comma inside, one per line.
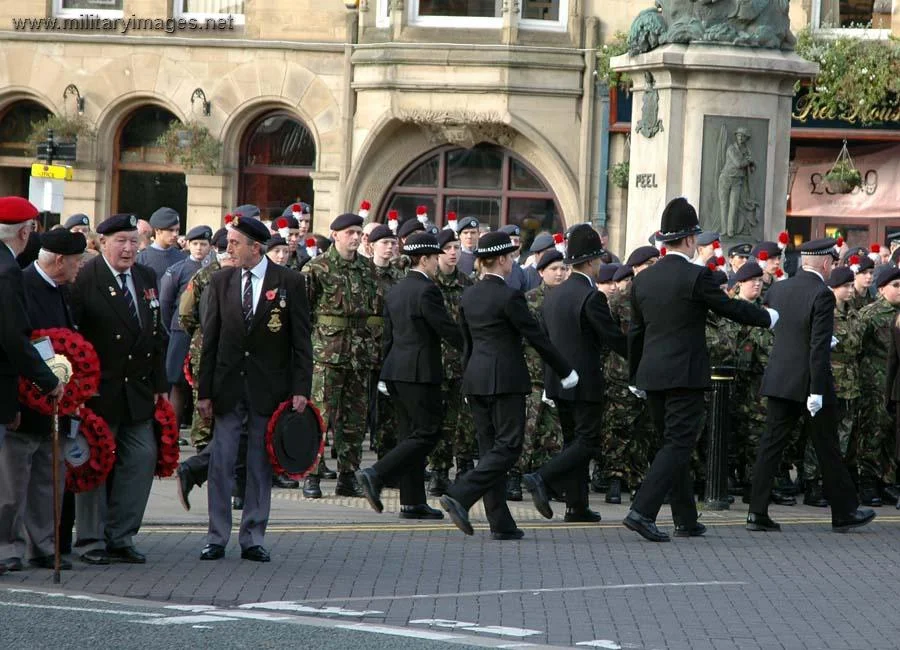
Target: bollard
(716,497)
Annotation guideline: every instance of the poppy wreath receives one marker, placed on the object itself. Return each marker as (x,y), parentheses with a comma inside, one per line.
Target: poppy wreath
(102,444)
(270,436)
(188,375)
(167,451)
(85,381)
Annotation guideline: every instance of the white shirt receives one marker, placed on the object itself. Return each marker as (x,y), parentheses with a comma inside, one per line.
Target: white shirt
(496,275)
(257,274)
(47,278)
(129,282)
(680,254)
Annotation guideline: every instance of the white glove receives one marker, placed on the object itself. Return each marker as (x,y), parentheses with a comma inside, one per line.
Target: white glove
(382,388)
(773,315)
(637,392)
(571,381)
(814,404)
(546,400)
(834,341)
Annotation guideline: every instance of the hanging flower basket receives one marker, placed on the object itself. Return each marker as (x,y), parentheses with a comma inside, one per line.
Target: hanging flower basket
(843,177)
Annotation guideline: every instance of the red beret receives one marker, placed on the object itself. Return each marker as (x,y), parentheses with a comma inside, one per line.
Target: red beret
(15,209)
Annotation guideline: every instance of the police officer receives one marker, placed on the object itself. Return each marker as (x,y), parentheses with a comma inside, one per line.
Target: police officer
(469,230)
(164,251)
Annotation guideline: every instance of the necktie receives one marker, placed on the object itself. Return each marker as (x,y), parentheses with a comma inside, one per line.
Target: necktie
(129,300)
(247,300)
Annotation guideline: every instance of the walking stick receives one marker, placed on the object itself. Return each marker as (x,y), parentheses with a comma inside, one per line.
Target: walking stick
(54,434)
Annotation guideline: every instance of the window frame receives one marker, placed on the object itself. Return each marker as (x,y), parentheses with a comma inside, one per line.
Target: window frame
(177,12)
(382,14)
(383,19)
(815,19)
(465,22)
(61,12)
(560,25)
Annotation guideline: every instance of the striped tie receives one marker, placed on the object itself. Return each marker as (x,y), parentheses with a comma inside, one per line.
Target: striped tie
(129,299)
(247,300)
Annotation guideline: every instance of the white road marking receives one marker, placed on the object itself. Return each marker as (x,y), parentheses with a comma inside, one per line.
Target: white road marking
(399,631)
(54,594)
(517,645)
(191,608)
(474,627)
(442,622)
(258,616)
(601,643)
(202,627)
(185,620)
(118,612)
(295,606)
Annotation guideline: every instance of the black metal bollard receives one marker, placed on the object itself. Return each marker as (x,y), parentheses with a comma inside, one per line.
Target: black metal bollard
(717,439)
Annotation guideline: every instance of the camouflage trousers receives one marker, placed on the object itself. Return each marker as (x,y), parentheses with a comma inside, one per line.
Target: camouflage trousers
(201,430)
(875,442)
(457,431)
(628,442)
(342,395)
(382,422)
(847,428)
(748,422)
(543,432)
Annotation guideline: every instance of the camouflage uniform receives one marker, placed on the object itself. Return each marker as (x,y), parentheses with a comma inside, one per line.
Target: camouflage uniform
(875,450)
(458,431)
(857,302)
(343,297)
(189,316)
(382,423)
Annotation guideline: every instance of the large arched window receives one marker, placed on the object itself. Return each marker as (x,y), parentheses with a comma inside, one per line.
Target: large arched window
(15,126)
(278,157)
(143,179)
(487,182)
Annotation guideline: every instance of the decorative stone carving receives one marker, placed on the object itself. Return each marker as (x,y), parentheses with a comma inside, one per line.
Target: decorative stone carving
(649,124)
(461,128)
(509,6)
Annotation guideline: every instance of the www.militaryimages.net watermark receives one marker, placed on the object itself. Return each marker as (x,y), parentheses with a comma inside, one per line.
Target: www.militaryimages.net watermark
(122,25)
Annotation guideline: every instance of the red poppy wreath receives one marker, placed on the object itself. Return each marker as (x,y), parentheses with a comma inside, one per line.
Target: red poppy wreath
(90,456)
(166,428)
(85,381)
(270,440)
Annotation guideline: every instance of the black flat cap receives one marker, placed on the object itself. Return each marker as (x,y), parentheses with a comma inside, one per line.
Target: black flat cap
(117,223)
(624,272)
(607,272)
(346,220)
(823,246)
(63,242)
(381,232)
(254,229)
(549,258)
(275,240)
(885,274)
(641,255)
(410,226)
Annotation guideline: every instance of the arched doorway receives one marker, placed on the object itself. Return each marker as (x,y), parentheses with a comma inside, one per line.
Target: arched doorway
(142,178)
(487,182)
(16,121)
(278,158)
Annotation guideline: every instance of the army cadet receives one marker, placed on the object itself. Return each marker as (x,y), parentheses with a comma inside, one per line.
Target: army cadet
(516,277)
(875,451)
(737,257)
(707,247)
(862,284)
(78,223)
(293,229)
(606,282)
(342,296)
(541,245)
(277,249)
(623,277)
(469,231)
(164,251)
(543,433)
(365,248)
(769,256)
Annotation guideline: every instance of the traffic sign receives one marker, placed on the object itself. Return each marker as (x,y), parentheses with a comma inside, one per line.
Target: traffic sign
(55,172)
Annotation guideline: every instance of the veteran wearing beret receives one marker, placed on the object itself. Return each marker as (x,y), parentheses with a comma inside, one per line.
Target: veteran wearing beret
(164,251)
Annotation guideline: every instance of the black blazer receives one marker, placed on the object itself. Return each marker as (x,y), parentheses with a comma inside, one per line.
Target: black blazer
(132,356)
(494,318)
(272,359)
(578,321)
(667,337)
(800,361)
(415,321)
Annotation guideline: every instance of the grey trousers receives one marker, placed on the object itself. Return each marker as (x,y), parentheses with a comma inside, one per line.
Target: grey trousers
(111,515)
(220,482)
(27,521)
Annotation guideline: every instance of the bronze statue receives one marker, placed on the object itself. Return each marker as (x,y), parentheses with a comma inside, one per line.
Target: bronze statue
(738,206)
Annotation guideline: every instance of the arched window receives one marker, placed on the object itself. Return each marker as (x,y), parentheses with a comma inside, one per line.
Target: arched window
(15,127)
(487,182)
(278,157)
(143,179)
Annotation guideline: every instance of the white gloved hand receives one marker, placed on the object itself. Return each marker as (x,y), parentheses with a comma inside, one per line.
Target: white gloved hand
(383,389)
(571,381)
(772,315)
(834,341)
(637,392)
(814,404)
(546,400)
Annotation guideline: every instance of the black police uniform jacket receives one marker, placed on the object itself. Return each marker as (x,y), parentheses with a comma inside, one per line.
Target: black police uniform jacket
(132,355)
(578,321)
(800,361)
(271,359)
(667,339)
(415,321)
(494,319)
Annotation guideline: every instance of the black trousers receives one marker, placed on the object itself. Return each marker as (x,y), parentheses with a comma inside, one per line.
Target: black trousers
(677,415)
(500,428)
(419,417)
(568,470)
(781,420)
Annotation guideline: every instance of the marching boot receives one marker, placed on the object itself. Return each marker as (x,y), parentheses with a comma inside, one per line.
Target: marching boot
(890,494)
(439,483)
(347,486)
(324,471)
(785,485)
(813,495)
(614,493)
(462,466)
(311,488)
(868,492)
(284,481)
(514,486)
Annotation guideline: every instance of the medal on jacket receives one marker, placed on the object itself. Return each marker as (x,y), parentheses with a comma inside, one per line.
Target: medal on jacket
(274,321)
(282,295)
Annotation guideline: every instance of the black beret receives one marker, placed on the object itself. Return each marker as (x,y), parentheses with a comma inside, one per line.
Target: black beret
(446,236)
(77,220)
(513,230)
(421,243)
(410,226)
(865,264)
(346,220)
(164,218)
(246,210)
(771,249)
(641,255)
(625,271)
(740,250)
(748,272)
(220,240)
(117,223)
(295,209)
(199,232)
(466,223)
(287,221)
(275,240)
(719,277)
(63,242)
(254,229)
(381,232)
(607,272)
(840,276)
(549,258)
(885,274)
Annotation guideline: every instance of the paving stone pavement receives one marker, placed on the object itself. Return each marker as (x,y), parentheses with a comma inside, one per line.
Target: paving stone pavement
(593,585)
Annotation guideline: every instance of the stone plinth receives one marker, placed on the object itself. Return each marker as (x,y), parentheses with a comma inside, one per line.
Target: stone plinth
(205,200)
(689,102)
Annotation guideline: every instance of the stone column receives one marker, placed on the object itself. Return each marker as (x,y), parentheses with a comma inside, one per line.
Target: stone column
(206,202)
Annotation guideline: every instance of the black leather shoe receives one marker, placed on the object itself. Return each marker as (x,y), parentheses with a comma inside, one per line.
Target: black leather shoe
(13,564)
(284,481)
(325,472)
(761,523)
(212,552)
(614,493)
(644,527)
(255,554)
(311,488)
(813,495)
(859,517)
(237,503)
(868,494)
(535,484)
(347,486)
(185,485)
(508,535)
(47,562)
(126,555)
(458,514)
(439,482)
(782,498)
(514,486)
(582,515)
(890,494)
(421,511)
(683,530)
(96,556)
(370,485)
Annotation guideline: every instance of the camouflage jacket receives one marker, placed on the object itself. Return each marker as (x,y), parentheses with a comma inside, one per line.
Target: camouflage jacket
(751,348)
(385,278)
(534,362)
(343,304)
(452,287)
(616,368)
(845,356)
(189,309)
(857,302)
(875,322)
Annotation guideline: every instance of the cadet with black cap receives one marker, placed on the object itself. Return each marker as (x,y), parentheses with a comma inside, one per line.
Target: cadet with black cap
(469,231)
(769,256)
(516,277)
(495,320)
(606,279)
(78,223)
(116,307)
(737,257)
(415,324)
(707,242)
(798,381)
(542,244)
(343,296)
(164,251)
(864,274)
(893,240)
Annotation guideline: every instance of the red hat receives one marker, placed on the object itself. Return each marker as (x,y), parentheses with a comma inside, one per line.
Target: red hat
(15,209)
